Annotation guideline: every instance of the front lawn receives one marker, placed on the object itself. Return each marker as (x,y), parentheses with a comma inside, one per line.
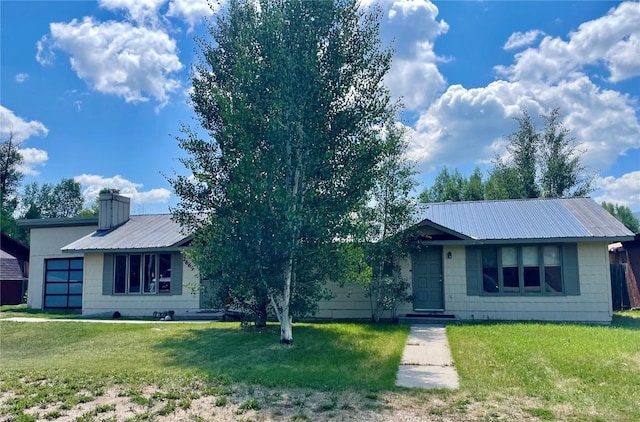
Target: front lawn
(565,371)
(219,371)
(8,311)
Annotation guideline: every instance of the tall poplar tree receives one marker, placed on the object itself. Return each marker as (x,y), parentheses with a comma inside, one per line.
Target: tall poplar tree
(291,95)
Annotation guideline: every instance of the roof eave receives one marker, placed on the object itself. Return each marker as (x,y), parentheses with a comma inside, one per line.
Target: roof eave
(429,223)
(149,249)
(39,223)
(549,240)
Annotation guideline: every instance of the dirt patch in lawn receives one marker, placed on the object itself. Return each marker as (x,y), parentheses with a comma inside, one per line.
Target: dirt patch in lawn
(247,403)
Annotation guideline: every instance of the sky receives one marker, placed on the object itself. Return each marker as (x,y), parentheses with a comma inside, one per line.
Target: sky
(98,91)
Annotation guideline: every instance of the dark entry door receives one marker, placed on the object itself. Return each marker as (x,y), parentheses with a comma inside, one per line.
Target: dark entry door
(427,279)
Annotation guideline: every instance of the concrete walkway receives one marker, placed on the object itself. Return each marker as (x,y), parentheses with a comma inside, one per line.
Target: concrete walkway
(426,360)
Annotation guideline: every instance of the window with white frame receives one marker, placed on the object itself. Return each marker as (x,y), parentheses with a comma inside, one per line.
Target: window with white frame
(142,273)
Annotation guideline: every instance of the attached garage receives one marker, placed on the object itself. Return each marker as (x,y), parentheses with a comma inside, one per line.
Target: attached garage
(63,283)
(56,279)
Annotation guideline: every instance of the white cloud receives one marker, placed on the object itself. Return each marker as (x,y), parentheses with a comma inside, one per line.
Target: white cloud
(192,11)
(522,39)
(624,190)
(471,125)
(140,11)
(44,52)
(21,129)
(612,40)
(413,26)
(119,58)
(32,158)
(92,184)
(21,77)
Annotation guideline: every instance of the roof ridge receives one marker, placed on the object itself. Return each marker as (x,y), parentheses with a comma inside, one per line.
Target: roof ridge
(500,200)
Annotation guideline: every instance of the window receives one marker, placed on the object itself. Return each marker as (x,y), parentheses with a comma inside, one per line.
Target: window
(142,274)
(63,283)
(522,270)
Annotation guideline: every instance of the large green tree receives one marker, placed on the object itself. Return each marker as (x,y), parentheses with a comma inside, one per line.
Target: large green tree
(48,200)
(543,163)
(10,177)
(453,186)
(291,94)
(562,173)
(523,147)
(624,215)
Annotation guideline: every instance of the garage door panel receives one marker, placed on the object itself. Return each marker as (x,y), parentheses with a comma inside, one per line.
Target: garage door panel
(63,283)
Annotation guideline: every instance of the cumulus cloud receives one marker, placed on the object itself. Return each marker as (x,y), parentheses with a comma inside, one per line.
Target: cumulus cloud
(612,40)
(192,11)
(472,124)
(32,158)
(624,190)
(20,128)
(140,11)
(119,58)
(413,26)
(92,184)
(21,77)
(522,39)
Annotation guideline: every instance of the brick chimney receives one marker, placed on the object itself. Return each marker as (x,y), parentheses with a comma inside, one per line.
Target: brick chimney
(114,210)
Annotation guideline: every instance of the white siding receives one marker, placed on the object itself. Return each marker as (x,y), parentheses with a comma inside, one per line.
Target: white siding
(94,302)
(350,301)
(592,305)
(45,244)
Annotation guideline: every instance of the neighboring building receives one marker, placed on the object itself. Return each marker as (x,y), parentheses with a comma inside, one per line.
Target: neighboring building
(538,259)
(14,270)
(625,273)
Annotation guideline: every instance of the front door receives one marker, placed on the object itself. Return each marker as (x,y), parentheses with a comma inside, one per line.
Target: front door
(426,268)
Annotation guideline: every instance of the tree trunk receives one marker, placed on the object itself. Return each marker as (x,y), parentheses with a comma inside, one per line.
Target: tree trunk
(286,331)
(262,302)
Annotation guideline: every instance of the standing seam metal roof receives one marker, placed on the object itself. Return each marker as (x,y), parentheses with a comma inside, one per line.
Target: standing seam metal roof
(525,219)
(139,232)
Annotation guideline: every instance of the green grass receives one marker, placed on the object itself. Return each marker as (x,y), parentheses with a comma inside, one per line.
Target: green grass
(326,356)
(540,371)
(582,369)
(8,311)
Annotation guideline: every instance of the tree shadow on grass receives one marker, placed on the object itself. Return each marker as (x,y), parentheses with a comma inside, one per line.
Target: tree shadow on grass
(326,356)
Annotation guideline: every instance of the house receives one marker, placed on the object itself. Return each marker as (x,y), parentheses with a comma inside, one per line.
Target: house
(14,267)
(536,259)
(115,262)
(533,259)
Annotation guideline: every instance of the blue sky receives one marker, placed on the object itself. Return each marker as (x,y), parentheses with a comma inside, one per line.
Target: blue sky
(96,91)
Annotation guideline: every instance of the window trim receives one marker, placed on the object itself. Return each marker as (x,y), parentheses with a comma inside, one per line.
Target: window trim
(541,268)
(143,259)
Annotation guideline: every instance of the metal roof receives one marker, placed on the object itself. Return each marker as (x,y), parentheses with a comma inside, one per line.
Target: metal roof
(526,219)
(139,232)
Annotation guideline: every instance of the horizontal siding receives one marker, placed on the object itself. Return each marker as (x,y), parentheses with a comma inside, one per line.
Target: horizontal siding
(592,305)
(94,302)
(351,302)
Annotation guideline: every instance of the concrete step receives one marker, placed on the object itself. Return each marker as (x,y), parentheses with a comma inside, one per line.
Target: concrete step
(427,318)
